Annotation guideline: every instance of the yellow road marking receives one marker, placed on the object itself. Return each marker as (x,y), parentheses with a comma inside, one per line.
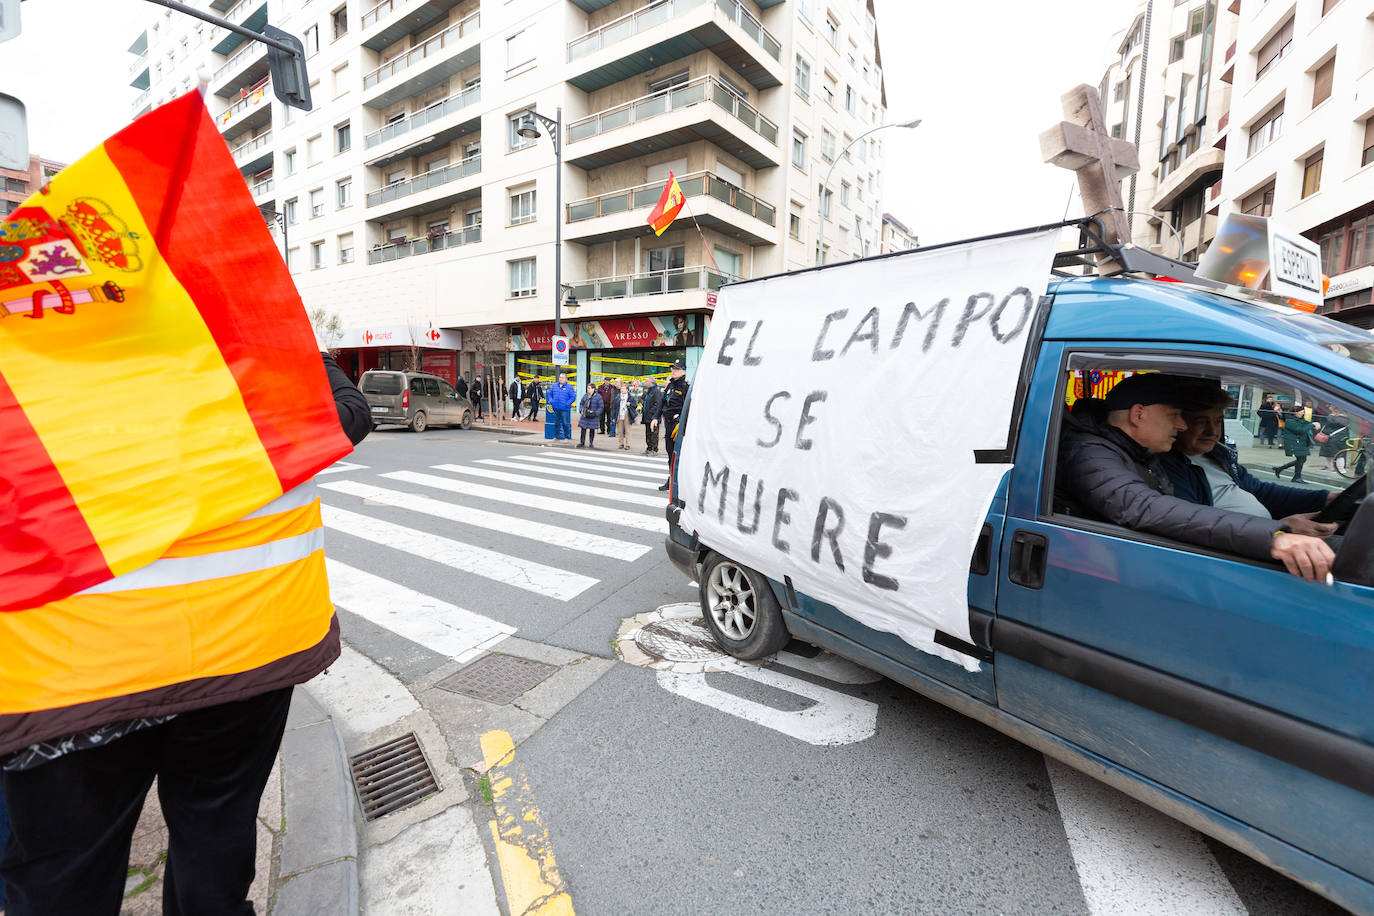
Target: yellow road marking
(523,848)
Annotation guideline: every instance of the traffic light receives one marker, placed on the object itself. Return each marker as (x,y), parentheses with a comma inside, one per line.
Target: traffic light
(289,79)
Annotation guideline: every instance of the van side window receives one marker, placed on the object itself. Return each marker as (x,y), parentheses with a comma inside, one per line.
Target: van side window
(446,390)
(432,387)
(417,386)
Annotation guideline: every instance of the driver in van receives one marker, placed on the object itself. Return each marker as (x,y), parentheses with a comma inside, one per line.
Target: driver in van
(1207,472)
(1111,466)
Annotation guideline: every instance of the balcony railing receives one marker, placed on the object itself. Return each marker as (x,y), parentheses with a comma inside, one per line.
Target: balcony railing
(254,49)
(139,64)
(244,150)
(469,166)
(434,46)
(653,283)
(693,92)
(660,11)
(254,97)
(262,187)
(141,99)
(437,241)
(694,184)
(424,116)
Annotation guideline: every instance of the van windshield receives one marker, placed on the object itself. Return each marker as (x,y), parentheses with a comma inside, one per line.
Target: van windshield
(381,383)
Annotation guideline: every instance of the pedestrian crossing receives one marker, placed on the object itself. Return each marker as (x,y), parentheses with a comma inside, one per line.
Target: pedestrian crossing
(474,536)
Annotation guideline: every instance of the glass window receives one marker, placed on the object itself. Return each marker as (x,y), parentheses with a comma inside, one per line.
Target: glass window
(522,206)
(346,248)
(339,20)
(312,150)
(1176,49)
(316,255)
(312,40)
(1196,21)
(1367,156)
(1273,49)
(290,212)
(522,280)
(289,161)
(1312,174)
(1321,82)
(1267,129)
(1259,203)
(799,148)
(794,222)
(844,193)
(673,257)
(827,146)
(317,203)
(343,138)
(517,141)
(344,193)
(729,262)
(520,49)
(395,176)
(823,195)
(802,77)
(832,31)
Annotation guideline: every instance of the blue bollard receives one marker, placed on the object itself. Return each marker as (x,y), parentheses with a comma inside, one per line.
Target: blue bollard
(548,425)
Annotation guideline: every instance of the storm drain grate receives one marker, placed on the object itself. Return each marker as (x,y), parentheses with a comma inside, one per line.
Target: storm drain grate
(679,639)
(498,678)
(392,776)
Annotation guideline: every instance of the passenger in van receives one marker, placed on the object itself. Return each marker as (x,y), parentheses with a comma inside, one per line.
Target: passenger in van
(1205,471)
(1110,467)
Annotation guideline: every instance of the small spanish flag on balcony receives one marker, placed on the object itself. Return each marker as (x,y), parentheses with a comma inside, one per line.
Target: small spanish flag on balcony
(669,205)
(159,378)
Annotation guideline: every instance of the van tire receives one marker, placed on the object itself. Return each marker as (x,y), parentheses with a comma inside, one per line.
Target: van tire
(467,420)
(734,591)
(419,422)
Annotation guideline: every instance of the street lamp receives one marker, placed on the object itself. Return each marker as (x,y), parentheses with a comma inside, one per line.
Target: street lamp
(269,213)
(820,240)
(529,129)
(569,299)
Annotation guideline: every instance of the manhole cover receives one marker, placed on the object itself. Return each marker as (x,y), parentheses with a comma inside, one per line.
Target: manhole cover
(678,640)
(392,776)
(498,678)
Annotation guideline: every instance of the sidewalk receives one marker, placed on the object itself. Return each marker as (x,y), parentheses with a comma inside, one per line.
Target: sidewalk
(1261,460)
(534,429)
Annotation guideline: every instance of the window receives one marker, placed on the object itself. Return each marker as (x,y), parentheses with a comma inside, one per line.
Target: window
(1176,49)
(346,248)
(1117,130)
(343,196)
(16,186)
(289,161)
(1321,82)
(1368,155)
(312,150)
(802,77)
(832,31)
(729,262)
(521,277)
(522,206)
(339,20)
(343,138)
(293,259)
(1312,173)
(520,49)
(827,145)
(849,99)
(1273,49)
(828,90)
(438,227)
(317,203)
(824,196)
(668,82)
(290,212)
(312,40)
(1259,203)
(670,258)
(340,80)
(1267,129)
(316,255)
(847,147)
(396,234)
(1197,21)
(472,218)
(794,221)
(435,164)
(1119,92)
(799,147)
(844,193)
(517,141)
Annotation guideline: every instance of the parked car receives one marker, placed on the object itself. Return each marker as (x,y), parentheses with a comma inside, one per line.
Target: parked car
(415,399)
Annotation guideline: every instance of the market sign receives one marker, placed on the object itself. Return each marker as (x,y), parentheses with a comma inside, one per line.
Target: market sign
(390,336)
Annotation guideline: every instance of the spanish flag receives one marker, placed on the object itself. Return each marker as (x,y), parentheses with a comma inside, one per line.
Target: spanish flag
(669,205)
(159,378)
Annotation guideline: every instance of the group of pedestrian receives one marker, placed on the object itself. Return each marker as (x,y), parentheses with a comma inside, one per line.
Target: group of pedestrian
(614,405)
(521,392)
(1296,429)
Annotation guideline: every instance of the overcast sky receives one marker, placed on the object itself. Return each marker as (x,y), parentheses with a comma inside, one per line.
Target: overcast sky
(985,77)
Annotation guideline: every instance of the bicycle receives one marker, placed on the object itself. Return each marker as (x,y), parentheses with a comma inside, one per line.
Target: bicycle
(1351,461)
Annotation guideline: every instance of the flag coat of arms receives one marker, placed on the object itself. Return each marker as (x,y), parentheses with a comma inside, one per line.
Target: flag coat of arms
(669,204)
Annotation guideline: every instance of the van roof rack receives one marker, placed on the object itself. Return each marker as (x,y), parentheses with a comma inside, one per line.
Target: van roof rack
(1131,258)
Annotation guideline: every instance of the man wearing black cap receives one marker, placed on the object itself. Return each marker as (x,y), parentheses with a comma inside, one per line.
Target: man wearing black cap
(1110,467)
(674,398)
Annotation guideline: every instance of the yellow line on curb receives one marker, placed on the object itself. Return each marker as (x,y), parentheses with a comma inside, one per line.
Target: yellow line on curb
(523,848)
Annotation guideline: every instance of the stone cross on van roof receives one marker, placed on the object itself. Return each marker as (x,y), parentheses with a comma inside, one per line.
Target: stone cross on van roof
(1082,143)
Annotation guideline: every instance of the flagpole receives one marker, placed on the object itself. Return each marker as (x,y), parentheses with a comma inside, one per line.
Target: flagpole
(700,233)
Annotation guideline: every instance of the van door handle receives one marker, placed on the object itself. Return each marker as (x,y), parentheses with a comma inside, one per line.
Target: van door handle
(1029,553)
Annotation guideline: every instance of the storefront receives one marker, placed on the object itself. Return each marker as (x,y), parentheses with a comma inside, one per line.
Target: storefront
(398,347)
(628,348)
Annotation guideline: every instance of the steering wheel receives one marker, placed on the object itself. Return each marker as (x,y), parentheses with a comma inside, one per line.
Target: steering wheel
(1342,508)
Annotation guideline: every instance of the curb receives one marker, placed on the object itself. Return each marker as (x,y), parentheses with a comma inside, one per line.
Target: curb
(319,848)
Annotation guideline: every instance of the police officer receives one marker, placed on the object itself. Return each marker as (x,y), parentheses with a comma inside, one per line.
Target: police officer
(674,399)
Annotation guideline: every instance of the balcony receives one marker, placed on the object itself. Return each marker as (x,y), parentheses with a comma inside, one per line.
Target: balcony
(246,68)
(716,203)
(426,65)
(254,155)
(652,284)
(262,188)
(414,192)
(251,14)
(669,30)
(391,20)
(1229,73)
(431,114)
(1197,171)
(439,241)
(702,109)
(141,102)
(138,72)
(1219,138)
(252,111)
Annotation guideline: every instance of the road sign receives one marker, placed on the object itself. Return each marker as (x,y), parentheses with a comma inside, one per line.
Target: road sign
(710,298)
(560,351)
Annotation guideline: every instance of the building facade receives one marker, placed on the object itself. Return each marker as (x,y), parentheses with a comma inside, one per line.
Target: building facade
(16,186)
(896,236)
(408,202)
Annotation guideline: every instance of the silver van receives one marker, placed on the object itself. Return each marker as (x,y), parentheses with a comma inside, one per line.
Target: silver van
(414,399)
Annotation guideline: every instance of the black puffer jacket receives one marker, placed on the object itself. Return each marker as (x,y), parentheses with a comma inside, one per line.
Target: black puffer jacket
(1105,473)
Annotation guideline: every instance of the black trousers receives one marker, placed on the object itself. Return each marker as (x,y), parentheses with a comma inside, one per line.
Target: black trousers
(670,435)
(73,818)
(651,437)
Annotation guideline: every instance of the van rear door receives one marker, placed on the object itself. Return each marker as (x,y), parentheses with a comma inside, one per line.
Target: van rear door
(383,391)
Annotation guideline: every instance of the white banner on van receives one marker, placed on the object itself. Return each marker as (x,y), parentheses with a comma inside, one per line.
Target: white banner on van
(835,418)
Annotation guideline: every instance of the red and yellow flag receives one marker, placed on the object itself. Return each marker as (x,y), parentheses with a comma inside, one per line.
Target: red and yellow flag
(669,205)
(158,375)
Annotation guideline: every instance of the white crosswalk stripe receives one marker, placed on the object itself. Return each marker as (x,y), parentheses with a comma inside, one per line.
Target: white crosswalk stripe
(633,461)
(547,484)
(437,625)
(489,564)
(607,476)
(551,461)
(553,535)
(642,521)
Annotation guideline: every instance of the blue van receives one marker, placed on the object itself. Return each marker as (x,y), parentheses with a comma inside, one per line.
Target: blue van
(1217,688)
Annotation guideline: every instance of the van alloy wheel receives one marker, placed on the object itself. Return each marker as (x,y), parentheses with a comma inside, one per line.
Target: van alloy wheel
(732,602)
(419,422)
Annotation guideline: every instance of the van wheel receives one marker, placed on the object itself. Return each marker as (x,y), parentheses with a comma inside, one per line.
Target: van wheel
(467,420)
(740,609)
(419,422)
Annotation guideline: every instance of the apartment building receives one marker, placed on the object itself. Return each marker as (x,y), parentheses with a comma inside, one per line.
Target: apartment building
(409,202)
(896,236)
(1302,116)
(1166,91)
(16,186)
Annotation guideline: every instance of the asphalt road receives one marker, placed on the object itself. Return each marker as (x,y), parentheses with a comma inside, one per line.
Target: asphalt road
(689,798)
